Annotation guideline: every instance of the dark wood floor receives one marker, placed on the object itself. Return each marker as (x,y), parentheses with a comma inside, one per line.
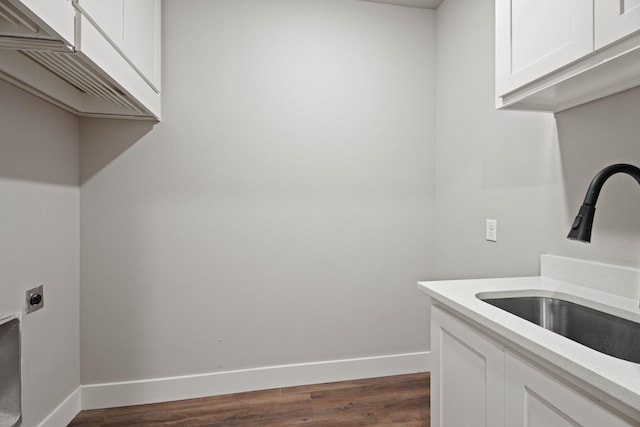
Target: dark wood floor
(390,401)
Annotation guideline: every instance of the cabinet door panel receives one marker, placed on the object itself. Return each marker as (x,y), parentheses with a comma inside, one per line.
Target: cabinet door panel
(615,20)
(464,380)
(57,14)
(142,37)
(107,14)
(467,379)
(537,37)
(534,398)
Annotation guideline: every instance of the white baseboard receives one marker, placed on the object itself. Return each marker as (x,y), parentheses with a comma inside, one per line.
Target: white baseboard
(65,412)
(107,395)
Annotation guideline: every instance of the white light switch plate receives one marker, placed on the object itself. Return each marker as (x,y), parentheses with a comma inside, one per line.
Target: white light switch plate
(491,230)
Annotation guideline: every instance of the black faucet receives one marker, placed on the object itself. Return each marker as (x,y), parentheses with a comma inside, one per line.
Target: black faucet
(581,227)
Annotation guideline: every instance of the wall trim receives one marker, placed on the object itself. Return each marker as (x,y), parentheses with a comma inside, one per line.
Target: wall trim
(95,396)
(65,412)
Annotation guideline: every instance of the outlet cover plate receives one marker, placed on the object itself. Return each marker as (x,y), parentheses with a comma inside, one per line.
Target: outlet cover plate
(34,299)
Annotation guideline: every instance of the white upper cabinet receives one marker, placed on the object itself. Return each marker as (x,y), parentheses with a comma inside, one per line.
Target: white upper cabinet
(106,15)
(539,36)
(615,20)
(555,54)
(97,58)
(56,14)
(141,37)
(133,28)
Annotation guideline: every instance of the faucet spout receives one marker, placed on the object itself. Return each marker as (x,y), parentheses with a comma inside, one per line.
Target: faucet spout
(582,225)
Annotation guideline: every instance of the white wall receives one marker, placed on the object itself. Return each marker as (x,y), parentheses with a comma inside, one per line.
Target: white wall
(530,171)
(591,137)
(490,164)
(282,211)
(284,208)
(39,244)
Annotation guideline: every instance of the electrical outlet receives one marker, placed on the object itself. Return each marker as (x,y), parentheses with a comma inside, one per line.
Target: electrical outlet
(491,230)
(35,299)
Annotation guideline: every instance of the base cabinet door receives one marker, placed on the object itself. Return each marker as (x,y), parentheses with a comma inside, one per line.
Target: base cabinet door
(534,398)
(467,385)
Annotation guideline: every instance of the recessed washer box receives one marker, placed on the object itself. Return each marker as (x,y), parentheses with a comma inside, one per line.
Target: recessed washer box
(10,412)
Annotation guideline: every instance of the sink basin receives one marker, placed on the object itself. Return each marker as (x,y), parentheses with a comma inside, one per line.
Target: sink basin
(595,329)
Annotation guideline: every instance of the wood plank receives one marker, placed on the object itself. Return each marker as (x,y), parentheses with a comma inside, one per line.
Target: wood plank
(401,400)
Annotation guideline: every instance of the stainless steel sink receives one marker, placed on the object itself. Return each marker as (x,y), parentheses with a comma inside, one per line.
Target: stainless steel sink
(595,329)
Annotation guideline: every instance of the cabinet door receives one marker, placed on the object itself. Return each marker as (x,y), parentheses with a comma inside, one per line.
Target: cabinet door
(133,28)
(57,14)
(467,380)
(142,37)
(107,15)
(534,398)
(537,37)
(615,20)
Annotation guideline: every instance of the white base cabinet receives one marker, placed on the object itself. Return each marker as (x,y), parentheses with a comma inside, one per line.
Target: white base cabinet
(534,398)
(467,384)
(477,381)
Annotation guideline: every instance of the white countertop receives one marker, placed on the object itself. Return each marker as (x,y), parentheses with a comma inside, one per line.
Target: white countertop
(617,378)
